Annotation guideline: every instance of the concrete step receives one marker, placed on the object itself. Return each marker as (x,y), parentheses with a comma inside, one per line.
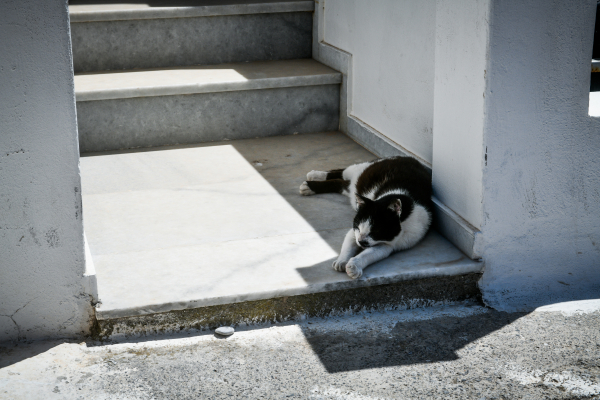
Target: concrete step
(112,35)
(192,237)
(182,105)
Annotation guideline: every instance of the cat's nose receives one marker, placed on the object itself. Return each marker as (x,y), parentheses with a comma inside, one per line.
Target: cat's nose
(363,243)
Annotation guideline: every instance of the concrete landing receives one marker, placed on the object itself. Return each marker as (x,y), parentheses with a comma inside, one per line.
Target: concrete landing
(222,223)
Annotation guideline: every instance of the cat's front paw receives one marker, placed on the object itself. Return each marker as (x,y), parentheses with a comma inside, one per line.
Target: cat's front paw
(305,190)
(353,270)
(340,265)
(316,176)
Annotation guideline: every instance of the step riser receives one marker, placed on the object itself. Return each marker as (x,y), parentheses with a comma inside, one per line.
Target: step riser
(168,42)
(403,295)
(205,117)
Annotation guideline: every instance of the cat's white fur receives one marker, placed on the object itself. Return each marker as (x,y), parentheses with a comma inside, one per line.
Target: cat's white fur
(305,190)
(316,176)
(351,174)
(413,228)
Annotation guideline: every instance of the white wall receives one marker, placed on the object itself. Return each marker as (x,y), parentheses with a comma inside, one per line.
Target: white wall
(541,198)
(41,233)
(461,55)
(392,45)
(504,84)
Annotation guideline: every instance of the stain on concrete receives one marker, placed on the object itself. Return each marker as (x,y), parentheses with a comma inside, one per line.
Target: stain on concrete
(34,236)
(52,238)
(10,153)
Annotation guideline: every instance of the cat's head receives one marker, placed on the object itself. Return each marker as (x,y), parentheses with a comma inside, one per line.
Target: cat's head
(377,222)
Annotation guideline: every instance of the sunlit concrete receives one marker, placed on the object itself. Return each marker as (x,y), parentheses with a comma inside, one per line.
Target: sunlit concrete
(203,79)
(223,222)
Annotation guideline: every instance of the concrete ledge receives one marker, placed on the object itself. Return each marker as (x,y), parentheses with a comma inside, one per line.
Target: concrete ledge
(398,296)
(433,258)
(462,234)
(203,79)
(159,9)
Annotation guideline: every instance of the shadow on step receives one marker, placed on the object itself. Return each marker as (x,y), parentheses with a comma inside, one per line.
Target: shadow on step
(410,342)
(285,163)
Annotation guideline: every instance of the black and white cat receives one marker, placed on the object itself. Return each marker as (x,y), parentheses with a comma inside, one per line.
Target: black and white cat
(392,199)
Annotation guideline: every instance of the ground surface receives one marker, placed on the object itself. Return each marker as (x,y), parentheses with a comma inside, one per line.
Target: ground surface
(453,352)
(150,214)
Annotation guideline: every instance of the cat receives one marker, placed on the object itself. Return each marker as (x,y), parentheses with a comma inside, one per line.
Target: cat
(392,199)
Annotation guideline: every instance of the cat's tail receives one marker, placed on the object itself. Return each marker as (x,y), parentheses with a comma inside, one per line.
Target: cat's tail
(325,175)
(308,188)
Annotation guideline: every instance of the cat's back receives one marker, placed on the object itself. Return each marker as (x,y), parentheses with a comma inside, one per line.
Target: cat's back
(396,174)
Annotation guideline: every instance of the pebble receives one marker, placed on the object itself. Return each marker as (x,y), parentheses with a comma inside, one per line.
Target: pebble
(224,331)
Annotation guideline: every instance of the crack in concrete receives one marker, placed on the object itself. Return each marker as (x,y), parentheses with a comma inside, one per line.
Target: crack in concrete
(19,337)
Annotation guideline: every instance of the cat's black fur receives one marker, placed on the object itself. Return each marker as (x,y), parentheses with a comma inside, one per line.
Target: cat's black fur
(397,173)
(392,199)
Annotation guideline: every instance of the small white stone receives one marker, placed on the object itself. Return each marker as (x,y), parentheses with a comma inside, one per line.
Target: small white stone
(224,331)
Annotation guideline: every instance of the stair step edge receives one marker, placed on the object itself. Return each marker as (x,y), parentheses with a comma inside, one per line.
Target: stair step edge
(427,292)
(81,13)
(204,79)
(196,88)
(460,267)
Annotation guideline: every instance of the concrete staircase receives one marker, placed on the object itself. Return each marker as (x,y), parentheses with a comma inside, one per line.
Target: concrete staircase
(164,73)
(188,113)
(181,105)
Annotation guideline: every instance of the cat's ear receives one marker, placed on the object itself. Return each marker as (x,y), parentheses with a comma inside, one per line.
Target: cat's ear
(396,206)
(361,200)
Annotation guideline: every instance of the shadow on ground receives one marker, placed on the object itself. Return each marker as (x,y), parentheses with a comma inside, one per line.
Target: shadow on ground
(411,342)
(13,353)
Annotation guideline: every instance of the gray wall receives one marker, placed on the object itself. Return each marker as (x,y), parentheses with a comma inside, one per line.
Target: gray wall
(461,50)
(41,232)
(392,43)
(541,198)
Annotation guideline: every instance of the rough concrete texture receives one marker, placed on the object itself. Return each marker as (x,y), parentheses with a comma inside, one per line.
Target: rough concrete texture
(168,42)
(42,290)
(459,352)
(542,172)
(404,295)
(205,117)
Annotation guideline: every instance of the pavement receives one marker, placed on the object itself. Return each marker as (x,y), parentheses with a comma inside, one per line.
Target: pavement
(463,351)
